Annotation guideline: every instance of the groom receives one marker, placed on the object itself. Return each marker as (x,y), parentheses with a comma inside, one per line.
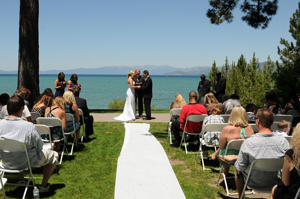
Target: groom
(147,94)
(139,80)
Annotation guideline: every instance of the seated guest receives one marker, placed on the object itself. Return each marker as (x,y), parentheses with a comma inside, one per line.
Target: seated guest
(210,100)
(4,97)
(238,128)
(88,119)
(47,91)
(71,107)
(289,183)
(293,102)
(283,128)
(27,93)
(273,103)
(25,114)
(225,98)
(202,94)
(192,108)
(42,104)
(251,110)
(212,138)
(233,101)
(179,102)
(261,145)
(57,110)
(14,128)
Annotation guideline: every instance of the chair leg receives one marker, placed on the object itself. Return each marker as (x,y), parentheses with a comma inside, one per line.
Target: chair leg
(170,132)
(3,182)
(221,171)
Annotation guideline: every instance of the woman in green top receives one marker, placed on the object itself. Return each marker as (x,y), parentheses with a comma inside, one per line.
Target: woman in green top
(238,128)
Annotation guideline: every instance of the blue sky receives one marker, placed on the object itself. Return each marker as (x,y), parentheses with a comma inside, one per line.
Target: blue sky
(98,33)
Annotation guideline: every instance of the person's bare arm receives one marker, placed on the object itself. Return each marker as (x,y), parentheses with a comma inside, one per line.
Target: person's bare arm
(55,84)
(287,166)
(75,109)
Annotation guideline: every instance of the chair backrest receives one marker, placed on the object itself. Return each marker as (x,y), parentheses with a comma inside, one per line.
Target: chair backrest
(297,194)
(175,111)
(44,130)
(226,117)
(254,128)
(34,115)
(49,121)
(289,138)
(214,127)
(228,111)
(10,146)
(234,144)
(278,118)
(293,113)
(80,112)
(273,164)
(194,118)
(69,117)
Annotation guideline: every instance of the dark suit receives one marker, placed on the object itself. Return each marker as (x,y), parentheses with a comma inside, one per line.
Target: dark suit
(147,95)
(88,119)
(139,93)
(204,84)
(219,87)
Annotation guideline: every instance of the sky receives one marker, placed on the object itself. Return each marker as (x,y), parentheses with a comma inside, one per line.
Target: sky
(97,33)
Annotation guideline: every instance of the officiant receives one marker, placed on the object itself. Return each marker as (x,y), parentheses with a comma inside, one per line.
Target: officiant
(139,80)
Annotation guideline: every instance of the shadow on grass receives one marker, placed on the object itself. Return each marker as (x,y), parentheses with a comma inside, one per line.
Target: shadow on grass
(160,135)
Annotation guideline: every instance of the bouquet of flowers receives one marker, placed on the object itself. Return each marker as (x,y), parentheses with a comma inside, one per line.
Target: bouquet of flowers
(63,83)
(78,86)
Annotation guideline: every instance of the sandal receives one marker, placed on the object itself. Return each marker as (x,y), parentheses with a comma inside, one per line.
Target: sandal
(222,161)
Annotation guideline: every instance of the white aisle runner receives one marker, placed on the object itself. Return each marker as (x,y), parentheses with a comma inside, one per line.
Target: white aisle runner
(144,170)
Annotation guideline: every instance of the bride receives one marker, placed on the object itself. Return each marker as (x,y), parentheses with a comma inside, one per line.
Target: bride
(129,108)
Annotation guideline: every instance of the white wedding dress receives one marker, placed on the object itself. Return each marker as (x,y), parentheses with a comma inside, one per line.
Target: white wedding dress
(129,108)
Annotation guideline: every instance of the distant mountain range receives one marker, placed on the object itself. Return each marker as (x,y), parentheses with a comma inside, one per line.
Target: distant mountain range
(121,70)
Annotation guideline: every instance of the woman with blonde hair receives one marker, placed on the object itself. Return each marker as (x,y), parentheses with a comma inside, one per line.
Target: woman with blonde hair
(42,104)
(289,184)
(210,100)
(129,108)
(238,128)
(72,108)
(179,102)
(57,110)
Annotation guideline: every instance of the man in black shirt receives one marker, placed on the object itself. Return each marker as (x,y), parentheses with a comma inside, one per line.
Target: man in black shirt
(139,80)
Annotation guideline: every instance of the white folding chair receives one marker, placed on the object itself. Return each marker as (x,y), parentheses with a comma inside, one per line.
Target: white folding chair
(236,145)
(293,113)
(289,139)
(212,127)
(69,117)
(52,122)
(191,118)
(228,111)
(34,115)
(45,130)
(173,111)
(83,125)
(280,117)
(297,194)
(263,165)
(11,146)
(254,128)
(226,117)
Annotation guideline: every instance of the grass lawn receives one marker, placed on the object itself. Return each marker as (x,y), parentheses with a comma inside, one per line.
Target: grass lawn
(91,172)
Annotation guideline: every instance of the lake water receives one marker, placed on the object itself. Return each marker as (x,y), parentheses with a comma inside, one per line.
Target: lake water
(100,90)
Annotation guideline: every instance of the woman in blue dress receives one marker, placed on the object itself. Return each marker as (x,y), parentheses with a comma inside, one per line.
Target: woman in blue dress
(73,82)
(60,84)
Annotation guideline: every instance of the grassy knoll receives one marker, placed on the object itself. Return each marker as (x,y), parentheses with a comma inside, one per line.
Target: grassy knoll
(91,172)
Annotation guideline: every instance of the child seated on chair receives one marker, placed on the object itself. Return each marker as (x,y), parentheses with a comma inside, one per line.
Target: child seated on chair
(283,128)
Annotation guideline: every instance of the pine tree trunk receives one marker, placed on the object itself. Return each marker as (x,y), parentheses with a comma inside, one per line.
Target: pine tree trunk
(28,67)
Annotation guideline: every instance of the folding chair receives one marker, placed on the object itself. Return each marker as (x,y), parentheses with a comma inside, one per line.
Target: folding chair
(83,125)
(226,117)
(297,194)
(69,117)
(34,115)
(228,111)
(254,128)
(51,122)
(11,146)
(236,145)
(296,116)
(278,118)
(263,165)
(173,111)
(191,118)
(289,138)
(45,130)
(212,127)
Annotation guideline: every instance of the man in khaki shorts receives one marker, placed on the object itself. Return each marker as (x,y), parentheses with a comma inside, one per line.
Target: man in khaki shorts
(15,128)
